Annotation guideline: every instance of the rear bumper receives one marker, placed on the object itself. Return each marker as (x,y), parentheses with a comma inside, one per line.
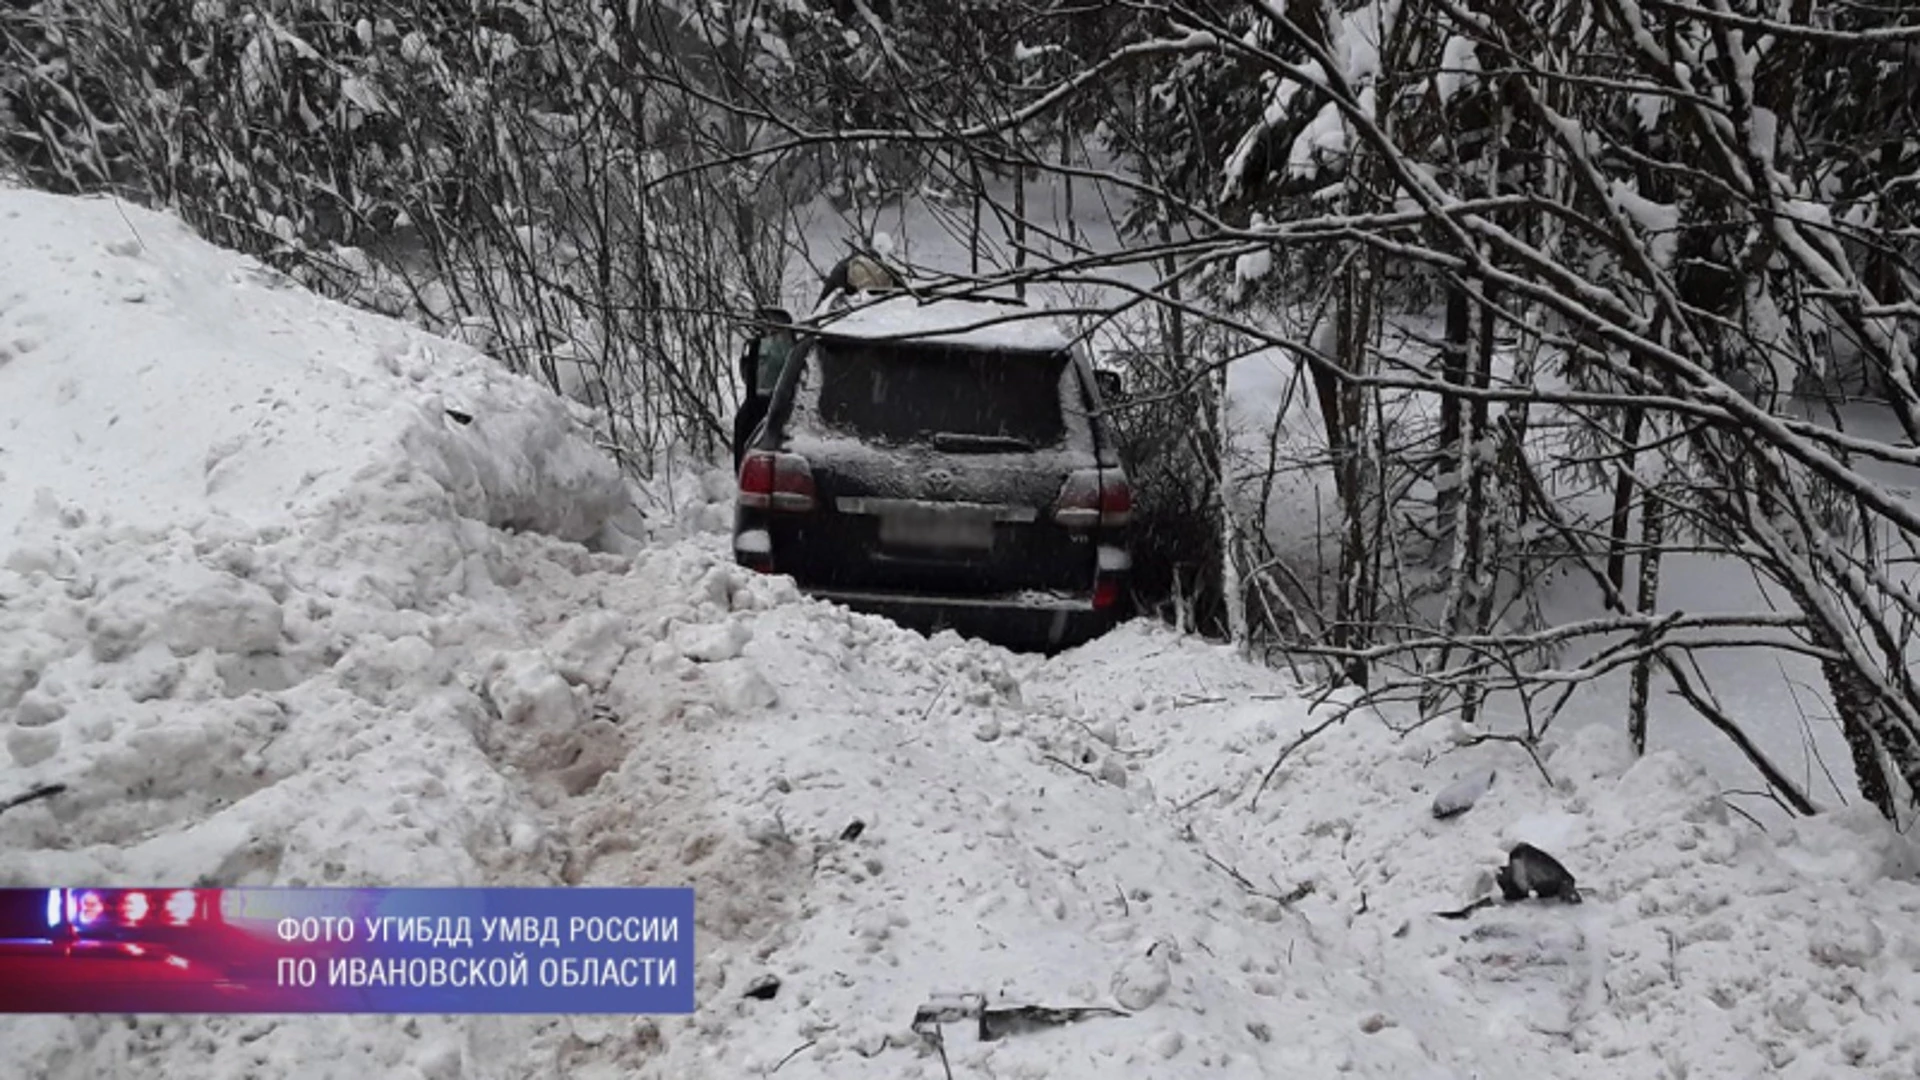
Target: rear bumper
(1019,622)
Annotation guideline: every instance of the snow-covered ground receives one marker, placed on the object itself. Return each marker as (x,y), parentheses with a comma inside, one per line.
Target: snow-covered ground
(278,616)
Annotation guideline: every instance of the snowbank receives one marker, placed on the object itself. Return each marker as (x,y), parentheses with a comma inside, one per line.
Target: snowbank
(236,525)
(1705,947)
(150,379)
(1080,832)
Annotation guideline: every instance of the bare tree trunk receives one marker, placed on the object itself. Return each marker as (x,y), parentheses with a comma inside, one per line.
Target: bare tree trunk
(1876,739)
(1477,587)
(1453,369)
(1231,587)
(979,197)
(1651,528)
(1072,229)
(1886,761)
(1019,223)
(1353,602)
(1623,483)
(1623,498)
(1174,319)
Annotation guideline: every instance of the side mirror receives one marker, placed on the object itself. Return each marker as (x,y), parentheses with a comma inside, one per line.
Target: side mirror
(1112,387)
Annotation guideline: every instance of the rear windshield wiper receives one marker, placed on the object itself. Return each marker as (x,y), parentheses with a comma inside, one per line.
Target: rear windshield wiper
(956,443)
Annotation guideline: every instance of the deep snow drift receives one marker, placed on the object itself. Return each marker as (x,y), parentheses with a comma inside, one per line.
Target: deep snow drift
(280,618)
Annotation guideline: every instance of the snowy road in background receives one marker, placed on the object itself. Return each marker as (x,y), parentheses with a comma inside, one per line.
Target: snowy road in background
(278,617)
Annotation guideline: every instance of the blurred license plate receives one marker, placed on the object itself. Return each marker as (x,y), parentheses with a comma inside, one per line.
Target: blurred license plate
(936,529)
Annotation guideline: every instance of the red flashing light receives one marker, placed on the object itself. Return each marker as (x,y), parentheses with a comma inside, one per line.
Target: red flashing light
(180,907)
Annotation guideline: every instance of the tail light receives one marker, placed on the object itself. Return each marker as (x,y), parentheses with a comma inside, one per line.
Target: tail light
(779,482)
(1093,497)
(1106,593)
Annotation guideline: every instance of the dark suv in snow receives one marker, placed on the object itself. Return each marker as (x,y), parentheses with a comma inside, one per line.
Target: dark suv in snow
(945,464)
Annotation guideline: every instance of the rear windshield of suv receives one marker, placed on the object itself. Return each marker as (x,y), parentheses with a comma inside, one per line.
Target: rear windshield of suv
(901,392)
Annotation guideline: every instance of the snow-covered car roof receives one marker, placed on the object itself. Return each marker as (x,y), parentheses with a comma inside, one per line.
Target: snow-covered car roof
(976,323)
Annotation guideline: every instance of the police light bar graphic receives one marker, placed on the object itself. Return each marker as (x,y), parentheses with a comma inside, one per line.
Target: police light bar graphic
(103,911)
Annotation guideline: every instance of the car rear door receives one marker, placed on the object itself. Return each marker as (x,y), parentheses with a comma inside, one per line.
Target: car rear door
(939,469)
